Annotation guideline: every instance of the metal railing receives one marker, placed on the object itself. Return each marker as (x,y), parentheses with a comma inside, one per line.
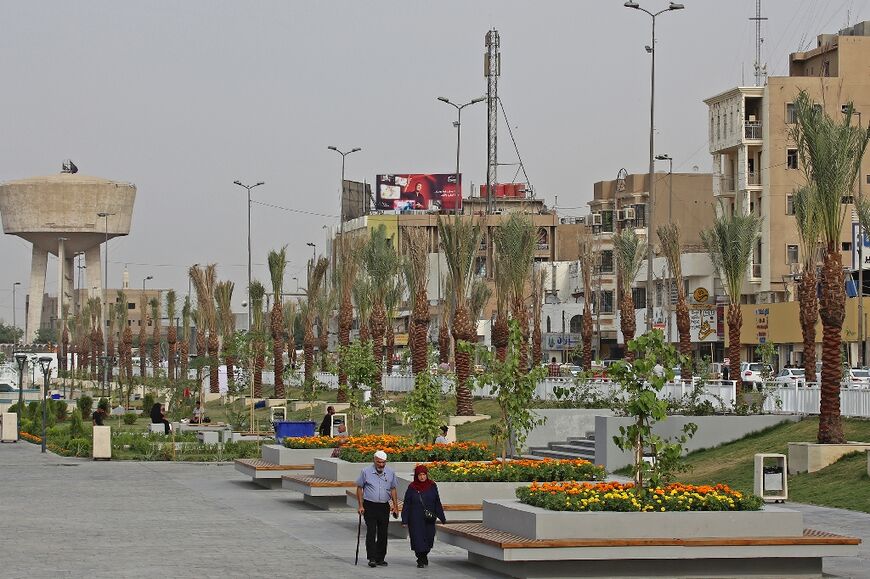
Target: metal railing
(752,130)
(753,178)
(726,184)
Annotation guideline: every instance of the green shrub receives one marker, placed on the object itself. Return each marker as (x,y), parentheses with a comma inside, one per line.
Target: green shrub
(104,404)
(79,447)
(59,409)
(147,403)
(76,424)
(130,418)
(85,405)
(33,410)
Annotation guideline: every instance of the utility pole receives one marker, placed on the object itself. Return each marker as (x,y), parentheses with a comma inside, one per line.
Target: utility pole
(491,70)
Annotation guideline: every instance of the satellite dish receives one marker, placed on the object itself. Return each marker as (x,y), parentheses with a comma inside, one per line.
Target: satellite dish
(694,168)
(69,167)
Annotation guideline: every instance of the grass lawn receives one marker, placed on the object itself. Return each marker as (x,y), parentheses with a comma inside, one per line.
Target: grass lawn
(843,484)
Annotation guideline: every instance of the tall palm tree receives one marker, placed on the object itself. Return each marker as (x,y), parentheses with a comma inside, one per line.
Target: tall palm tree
(126,345)
(381,263)
(94,306)
(155,334)
(515,241)
(808,226)
(460,240)
(290,313)
(171,333)
(347,269)
(500,329)
(729,243)
(143,336)
(669,236)
(417,278)
(325,305)
(318,271)
(630,252)
(586,253)
(362,297)
(539,278)
(478,298)
(204,280)
(223,295)
(200,340)
(277,265)
(184,349)
(830,153)
(258,335)
(392,300)
(444,340)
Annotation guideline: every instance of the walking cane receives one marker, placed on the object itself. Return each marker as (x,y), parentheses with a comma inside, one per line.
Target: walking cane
(358,533)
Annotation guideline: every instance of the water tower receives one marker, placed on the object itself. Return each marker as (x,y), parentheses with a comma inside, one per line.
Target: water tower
(60,215)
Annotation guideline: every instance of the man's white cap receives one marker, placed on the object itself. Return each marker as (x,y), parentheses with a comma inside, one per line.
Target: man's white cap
(381,455)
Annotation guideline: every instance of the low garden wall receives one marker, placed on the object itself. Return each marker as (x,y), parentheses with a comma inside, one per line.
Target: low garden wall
(280,454)
(561,423)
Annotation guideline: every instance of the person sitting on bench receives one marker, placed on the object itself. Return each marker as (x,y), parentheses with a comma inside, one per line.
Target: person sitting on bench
(199,416)
(157,416)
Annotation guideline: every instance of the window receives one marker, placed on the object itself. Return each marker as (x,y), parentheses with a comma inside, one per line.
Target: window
(576,323)
(607,302)
(847,246)
(607,221)
(480,266)
(791,158)
(548,325)
(790,114)
(131,305)
(638,296)
(791,254)
(606,263)
(659,292)
(789,204)
(639,215)
(847,200)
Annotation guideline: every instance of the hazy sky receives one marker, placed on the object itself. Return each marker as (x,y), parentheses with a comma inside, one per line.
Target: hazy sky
(182,98)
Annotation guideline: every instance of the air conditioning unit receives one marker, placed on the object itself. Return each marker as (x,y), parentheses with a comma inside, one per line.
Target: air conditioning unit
(628,214)
(596,219)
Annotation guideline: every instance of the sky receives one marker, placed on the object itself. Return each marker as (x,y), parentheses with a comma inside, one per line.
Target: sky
(183,98)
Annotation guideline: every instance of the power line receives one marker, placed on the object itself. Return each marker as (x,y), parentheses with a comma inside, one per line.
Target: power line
(294,210)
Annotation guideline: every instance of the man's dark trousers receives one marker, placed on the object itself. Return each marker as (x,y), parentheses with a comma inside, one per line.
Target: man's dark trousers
(377,517)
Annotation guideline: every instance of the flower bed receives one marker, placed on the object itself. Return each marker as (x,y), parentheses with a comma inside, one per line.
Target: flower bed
(516,471)
(617,497)
(333,441)
(354,452)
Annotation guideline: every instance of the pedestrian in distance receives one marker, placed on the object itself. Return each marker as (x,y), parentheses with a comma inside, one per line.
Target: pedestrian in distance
(98,416)
(442,438)
(420,510)
(326,424)
(375,489)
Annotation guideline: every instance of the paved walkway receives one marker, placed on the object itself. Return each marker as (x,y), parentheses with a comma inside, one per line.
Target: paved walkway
(78,518)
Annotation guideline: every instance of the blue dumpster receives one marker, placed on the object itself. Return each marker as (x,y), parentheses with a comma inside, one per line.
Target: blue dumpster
(293,429)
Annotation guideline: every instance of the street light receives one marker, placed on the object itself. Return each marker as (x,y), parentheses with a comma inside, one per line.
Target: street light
(21,359)
(341,193)
(650,209)
(14,321)
(670,160)
(313,247)
(143,282)
(850,109)
(248,188)
(45,364)
(105,216)
(458,125)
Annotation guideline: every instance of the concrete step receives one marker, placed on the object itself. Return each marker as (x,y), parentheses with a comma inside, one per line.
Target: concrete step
(548,453)
(572,449)
(577,443)
(589,436)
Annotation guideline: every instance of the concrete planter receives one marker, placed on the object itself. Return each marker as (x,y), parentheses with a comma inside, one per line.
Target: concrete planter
(467,493)
(278,454)
(337,469)
(531,522)
(811,456)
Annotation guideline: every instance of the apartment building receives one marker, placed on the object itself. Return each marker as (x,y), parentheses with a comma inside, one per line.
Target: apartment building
(756,166)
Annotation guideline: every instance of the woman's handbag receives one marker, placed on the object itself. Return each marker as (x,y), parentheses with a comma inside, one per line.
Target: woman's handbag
(428,515)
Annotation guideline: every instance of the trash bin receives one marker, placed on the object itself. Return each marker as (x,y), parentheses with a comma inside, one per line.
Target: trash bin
(294,429)
(771,482)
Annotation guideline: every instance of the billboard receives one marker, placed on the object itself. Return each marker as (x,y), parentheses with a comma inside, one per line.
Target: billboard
(354,199)
(422,191)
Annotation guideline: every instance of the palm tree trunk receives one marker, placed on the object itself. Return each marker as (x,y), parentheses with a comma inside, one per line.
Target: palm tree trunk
(259,362)
(110,351)
(345,323)
(64,349)
(443,339)
(172,341)
(627,323)
(378,324)
(143,350)
(832,308)
(213,381)
(200,352)
(278,347)
(809,314)
(391,348)
(500,336)
(520,315)
(735,321)
(586,331)
(461,330)
(323,344)
(684,330)
(420,333)
(183,356)
(308,347)
(537,355)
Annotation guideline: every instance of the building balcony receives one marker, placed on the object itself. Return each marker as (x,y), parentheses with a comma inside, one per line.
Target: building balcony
(753,179)
(726,185)
(752,130)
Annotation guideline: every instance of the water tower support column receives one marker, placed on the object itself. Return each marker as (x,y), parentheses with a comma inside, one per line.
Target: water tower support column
(95,277)
(38,266)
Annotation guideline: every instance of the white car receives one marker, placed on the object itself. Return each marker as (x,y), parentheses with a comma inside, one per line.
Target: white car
(752,373)
(857,378)
(791,377)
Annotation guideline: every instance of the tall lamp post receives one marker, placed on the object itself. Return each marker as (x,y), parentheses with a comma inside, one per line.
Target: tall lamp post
(105,216)
(248,188)
(21,359)
(670,160)
(313,247)
(341,192)
(45,364)
(846,110)
(14,320)
(458,125)
(651,202)
(146,278)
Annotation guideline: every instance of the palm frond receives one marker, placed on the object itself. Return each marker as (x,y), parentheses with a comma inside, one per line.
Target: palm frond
(277,264)
(416,266)
(809,225)
(515,242)
(223,293)
(730,242)
(380,259)
(362,297)
(480,294)
(669,236)
(171,305)
(459,239)
(258,292)
(630,252)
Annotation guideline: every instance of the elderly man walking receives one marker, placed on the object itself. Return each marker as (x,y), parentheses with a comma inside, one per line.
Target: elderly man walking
(375,487)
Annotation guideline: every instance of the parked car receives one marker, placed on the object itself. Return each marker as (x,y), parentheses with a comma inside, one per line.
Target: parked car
(858,378)
(6,387)
(791,377)
(752,373)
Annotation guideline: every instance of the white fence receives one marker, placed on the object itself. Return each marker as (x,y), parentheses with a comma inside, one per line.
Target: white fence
(854,402)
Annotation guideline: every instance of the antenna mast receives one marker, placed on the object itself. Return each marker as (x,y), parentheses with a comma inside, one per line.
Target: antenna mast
(491,70)
(760,70)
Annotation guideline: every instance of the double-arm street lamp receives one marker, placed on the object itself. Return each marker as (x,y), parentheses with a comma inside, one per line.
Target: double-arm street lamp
(651,200)
(670,160)
(21,359)
(105,216)
(248,188)
(458,125)
(45,364)
(341,189)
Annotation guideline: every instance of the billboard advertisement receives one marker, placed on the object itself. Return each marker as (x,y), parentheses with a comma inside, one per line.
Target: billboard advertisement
(420,191)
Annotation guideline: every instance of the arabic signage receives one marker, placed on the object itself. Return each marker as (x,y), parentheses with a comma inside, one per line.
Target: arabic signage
(559,341)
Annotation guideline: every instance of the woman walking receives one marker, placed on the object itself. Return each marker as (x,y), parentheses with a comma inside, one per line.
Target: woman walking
(422,506)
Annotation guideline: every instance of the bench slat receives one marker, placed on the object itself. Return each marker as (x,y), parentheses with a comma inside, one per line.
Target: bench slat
(260,464)
(314,481)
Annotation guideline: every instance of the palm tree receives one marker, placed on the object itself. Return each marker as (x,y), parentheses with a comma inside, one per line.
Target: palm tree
(586,253)
(630,251)
(362,297)
(830,153)
(318,271)
(478,298)
(155,335)
(808,226)
(347,270)
(381,263)
(729,243)
(126,345)
(277,265)
(171,333)
(96,334)
(669,236)
(290,323)
(325,304)
(539,278)
(204,280)
(223,294)
(392,299)
(184,350)
(417,277)
(515,241)
(64,340)
(258,291)
(460,239)
(500,329)
(444,328)
(143,322)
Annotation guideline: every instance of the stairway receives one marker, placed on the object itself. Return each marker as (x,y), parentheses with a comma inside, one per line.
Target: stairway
(575,447)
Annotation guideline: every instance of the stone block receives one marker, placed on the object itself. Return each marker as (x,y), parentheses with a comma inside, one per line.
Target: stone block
(8,427)
(208,437)
(278,454)
(156,428)
(102,442)
(531,522)
(811,456)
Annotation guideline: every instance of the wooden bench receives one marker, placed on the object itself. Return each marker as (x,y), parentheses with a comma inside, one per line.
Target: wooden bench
(518,556)
(320,492)
(268,474)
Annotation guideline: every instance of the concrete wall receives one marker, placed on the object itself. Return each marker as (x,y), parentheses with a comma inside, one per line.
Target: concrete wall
(712,431)
(562,423)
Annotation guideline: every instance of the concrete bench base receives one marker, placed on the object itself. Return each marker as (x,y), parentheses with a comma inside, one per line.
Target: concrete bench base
(156,428)
(319,492)
(268,475)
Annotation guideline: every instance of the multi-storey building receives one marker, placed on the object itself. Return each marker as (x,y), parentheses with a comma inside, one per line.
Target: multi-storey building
(757,168)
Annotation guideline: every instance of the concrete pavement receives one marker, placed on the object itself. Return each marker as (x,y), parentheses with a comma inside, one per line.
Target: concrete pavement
(66,517)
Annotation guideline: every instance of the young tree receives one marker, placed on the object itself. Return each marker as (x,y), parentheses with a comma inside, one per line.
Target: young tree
(586,247)
(830,152)
(204,280)
(669,236)
(515,242)
(325,305)
(258,335)
(143,336)
(223,294)
(184,350)
(171,334)
(392,300)
(362,297)
(381,264)
(500,329)
(630,252)
(309,314)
